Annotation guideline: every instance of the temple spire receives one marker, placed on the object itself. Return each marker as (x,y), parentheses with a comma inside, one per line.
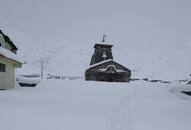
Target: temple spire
(104,36)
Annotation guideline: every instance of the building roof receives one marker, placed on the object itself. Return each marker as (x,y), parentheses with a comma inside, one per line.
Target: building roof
(106,61)
(99,63)
(103,44)
(9,55)
(8,40)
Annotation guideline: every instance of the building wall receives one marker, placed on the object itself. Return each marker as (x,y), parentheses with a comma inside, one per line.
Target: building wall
(96,74)
(4,44)
(98,55)
(7,79)
(108,77)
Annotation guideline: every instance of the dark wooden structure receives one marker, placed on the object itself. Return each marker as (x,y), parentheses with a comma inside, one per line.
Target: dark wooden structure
(104,68)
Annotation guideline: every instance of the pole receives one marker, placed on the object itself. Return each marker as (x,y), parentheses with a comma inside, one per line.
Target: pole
(42,68)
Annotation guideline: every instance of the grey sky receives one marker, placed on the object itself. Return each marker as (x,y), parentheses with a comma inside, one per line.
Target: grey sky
(146,20)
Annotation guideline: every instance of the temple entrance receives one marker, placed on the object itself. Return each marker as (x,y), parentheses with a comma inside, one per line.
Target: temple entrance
(110,79)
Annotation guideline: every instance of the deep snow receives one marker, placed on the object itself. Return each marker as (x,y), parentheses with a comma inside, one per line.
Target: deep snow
(78,104)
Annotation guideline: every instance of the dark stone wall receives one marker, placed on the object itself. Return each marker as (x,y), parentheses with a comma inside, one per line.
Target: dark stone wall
(98,55)
(108,77)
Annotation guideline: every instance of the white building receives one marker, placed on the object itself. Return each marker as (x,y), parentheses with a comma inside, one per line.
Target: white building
(8,62)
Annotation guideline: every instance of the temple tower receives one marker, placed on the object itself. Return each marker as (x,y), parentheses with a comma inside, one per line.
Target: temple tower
(102,52)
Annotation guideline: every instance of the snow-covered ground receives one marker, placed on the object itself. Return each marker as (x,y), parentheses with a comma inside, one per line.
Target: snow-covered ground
(81,105)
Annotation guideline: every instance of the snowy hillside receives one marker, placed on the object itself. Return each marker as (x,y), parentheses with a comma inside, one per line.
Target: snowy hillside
(77,104)
(150,37)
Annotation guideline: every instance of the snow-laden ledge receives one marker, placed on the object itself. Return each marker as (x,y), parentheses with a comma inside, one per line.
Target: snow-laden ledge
(10,55)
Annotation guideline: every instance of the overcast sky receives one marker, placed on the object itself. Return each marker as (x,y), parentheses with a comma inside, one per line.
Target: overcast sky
(145,21)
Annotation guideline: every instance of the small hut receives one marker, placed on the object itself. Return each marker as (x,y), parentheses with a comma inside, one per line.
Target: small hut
(104,68)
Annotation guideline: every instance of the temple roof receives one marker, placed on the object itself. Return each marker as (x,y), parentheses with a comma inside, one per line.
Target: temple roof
(103,45)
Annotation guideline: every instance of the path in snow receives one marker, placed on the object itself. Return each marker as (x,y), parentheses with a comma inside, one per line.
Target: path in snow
(122,115)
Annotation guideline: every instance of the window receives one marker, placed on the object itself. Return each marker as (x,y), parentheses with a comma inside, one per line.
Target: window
(0,44)
(2,67)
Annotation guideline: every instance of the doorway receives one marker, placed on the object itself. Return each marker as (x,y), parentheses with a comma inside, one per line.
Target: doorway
(110,78)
